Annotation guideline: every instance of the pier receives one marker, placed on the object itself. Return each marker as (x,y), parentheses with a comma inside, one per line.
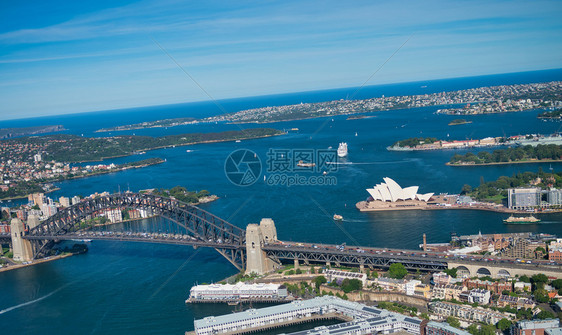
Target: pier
(360,319)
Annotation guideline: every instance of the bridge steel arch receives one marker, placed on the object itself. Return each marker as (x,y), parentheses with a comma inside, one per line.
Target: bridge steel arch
(205,227)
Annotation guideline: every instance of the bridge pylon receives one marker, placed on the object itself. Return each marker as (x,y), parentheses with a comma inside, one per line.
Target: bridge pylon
(256,235)
(23,251)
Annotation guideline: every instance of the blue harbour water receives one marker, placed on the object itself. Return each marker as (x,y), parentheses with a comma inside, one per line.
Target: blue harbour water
(140,288)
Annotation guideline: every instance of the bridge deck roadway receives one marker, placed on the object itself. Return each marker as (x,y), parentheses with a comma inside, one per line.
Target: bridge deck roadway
(132,238)
(412,259)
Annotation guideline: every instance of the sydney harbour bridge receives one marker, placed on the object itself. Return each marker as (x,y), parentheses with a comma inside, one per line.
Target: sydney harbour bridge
(253,249)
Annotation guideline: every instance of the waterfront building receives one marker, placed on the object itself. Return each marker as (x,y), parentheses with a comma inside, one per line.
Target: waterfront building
(465,312)
(391,191)
(534,327)
(554,197)
(365,319)
(75,199)
(238,291)
(443,328)
(338,275)
(523,198)
(114,215)
(48,210)
(37,199)
(64,201)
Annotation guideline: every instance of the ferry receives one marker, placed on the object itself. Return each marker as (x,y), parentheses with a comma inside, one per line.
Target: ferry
(521,219)
(338,217)
(303,164)
(342,150)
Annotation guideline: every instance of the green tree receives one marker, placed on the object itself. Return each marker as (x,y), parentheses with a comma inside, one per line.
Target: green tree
(349,285)
(451,320)
(541,295)
(451,272)
(557,284)
(319,281)
(466,189)
(525,279)
(397,270)
(503,324)
(542,315)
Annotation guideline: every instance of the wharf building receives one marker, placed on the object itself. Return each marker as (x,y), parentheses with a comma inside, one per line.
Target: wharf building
(237,292)
(361,319)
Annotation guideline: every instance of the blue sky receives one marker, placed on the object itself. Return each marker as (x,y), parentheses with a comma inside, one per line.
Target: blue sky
(60,57)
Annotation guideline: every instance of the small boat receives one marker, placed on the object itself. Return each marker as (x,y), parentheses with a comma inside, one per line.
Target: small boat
(303,164)
(521,219)
(188,150)
(238,141)
(338,217)
(233,303)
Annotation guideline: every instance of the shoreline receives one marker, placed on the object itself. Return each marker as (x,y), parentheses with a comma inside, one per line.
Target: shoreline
(34,262)
(361,206)
(507,163)
(85,176)
(181,145)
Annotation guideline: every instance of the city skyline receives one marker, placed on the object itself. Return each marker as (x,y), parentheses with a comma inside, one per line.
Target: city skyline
(89,57)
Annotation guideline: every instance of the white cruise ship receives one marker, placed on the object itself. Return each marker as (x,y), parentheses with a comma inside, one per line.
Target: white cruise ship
(342,150)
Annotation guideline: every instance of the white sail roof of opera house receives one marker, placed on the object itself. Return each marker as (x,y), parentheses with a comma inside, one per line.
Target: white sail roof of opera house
(391,191)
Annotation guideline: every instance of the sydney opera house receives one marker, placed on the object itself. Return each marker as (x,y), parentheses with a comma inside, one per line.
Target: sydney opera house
(389,195)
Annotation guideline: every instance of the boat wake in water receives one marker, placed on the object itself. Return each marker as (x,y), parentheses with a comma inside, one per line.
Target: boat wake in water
(32,301)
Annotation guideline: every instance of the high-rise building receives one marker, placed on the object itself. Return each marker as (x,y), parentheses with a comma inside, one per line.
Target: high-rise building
(75,199)
(554,197)
(64,201)
(523,198)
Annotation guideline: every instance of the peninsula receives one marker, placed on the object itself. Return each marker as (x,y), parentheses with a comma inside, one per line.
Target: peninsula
(152,124)
(26,131)
(482,100)
(542,153)
(27,164)
(554,115)
(430,143)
